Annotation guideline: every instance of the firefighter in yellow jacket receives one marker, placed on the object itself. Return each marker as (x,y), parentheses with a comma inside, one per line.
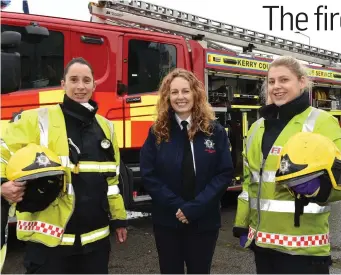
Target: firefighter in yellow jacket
(282,241)
(71,235)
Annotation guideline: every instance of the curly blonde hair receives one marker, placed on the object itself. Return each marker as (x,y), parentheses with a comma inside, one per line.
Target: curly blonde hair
(202,112)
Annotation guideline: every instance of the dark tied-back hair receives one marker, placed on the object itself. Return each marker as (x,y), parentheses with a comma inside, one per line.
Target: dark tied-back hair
(75,60)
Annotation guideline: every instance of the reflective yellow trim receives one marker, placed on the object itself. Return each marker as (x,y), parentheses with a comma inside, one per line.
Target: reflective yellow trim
(90,166)
(245,107)
(68,239)
(95,235)
(86,238)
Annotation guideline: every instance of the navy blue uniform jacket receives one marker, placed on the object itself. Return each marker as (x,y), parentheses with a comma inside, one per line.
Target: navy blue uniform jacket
(161,176)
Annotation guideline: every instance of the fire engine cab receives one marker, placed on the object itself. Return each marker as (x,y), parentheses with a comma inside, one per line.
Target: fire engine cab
(132,46)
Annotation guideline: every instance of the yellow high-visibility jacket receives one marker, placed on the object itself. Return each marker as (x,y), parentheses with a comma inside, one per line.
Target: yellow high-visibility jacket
(46,126)
(266,209)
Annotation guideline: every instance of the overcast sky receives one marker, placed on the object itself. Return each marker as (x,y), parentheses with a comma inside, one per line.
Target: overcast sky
(244,13)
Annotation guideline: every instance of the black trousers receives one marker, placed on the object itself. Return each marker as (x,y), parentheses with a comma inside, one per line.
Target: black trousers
(95,262)
(4,219)
(270,262)
(177,247)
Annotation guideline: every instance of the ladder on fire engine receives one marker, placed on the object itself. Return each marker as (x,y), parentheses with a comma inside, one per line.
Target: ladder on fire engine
(141,14)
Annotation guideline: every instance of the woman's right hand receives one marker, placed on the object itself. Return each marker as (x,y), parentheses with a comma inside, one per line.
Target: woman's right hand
(13,191)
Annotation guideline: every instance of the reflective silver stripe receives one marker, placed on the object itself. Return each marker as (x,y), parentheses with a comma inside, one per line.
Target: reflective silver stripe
(267,176)
(244,196)
(65,160)
(245,162)
(111,128)
(286,206)
(254,176)
(255,129)
(3,144)
(309,123)
(70,190)
(3,160)
(43,121)
(113,190)
(74,145)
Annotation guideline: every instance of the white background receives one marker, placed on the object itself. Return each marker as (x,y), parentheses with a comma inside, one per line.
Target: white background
(244,13)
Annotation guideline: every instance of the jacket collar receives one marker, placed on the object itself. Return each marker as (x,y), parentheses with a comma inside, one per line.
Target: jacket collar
(78,111)
(286,111)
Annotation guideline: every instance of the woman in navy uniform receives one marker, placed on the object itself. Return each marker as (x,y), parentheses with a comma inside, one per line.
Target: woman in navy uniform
(186,167)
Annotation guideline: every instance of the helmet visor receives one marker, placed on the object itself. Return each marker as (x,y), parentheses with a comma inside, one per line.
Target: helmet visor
(40,175)
(302,179)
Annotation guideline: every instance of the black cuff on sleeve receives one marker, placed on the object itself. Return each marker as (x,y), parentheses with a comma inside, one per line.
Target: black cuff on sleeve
(239,231)
(114,224)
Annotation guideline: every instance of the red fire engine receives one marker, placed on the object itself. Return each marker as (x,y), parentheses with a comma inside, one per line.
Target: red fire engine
(132,46)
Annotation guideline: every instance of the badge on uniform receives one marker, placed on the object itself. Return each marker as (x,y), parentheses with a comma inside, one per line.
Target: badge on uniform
(105,143)
(209,146)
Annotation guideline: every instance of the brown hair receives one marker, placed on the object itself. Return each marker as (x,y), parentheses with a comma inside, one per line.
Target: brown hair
(202,113)
(79,60)
(294,65)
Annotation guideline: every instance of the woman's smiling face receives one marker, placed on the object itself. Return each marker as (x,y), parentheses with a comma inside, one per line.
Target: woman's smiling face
(283,85)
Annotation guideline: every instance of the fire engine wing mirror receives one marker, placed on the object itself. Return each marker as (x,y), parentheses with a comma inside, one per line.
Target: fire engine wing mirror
(121,89)
(35,33)
(10,62)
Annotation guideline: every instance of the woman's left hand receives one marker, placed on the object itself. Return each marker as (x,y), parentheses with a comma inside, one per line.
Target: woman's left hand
(121,234)
(181,217)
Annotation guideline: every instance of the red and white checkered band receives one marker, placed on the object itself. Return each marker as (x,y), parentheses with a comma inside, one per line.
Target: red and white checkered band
(40,227)
(289,240)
